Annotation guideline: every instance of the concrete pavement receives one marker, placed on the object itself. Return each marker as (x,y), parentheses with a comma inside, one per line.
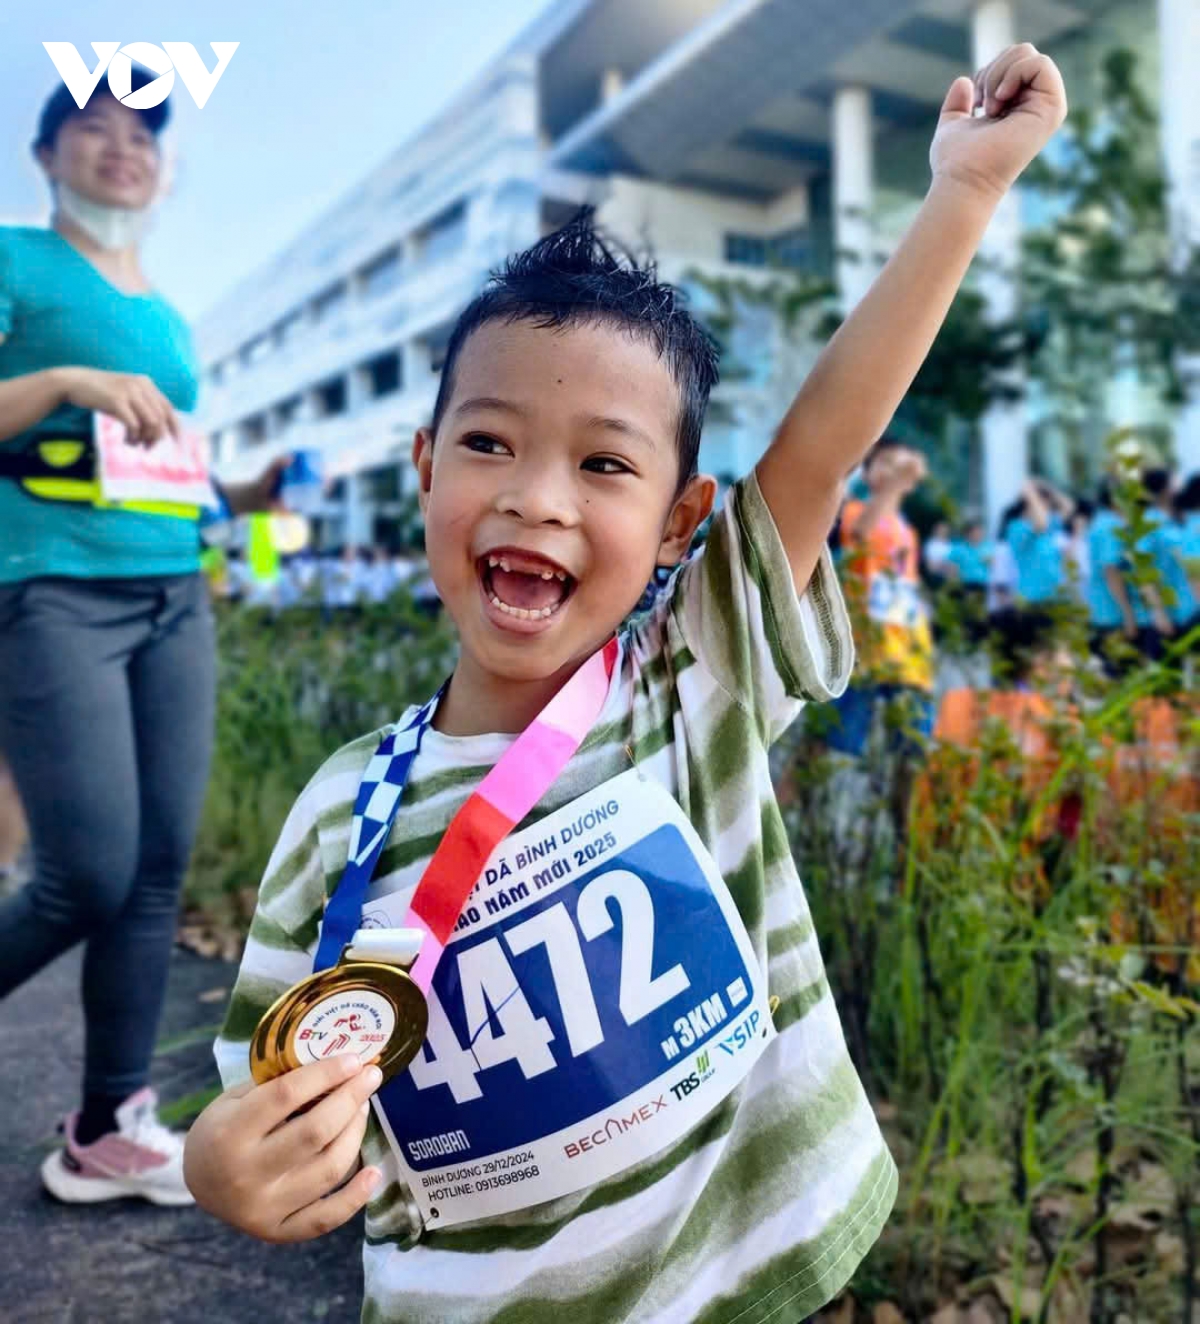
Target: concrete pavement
(127,1262)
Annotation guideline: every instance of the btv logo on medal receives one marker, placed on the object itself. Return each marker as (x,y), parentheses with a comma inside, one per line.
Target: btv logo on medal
(166,60)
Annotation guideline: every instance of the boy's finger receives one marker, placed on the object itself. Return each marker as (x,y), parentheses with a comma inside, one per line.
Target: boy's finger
(960,98)
(1023,73)
(287,1095)
(303,1137)
(325,1171)
(993,75)
(331,1212)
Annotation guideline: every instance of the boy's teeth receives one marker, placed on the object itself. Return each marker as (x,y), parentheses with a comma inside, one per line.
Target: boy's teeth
(494,561)
(521,613)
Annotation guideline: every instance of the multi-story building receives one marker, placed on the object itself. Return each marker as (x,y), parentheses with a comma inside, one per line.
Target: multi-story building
(730,137)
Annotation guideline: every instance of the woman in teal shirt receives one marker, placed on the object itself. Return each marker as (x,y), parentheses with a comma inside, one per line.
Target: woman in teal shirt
(106,637)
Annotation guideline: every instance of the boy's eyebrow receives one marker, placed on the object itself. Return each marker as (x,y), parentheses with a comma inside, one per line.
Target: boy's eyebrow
(489,402)
(622,426)
(605,421)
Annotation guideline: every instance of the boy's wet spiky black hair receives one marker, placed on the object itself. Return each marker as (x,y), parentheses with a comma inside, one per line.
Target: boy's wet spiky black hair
(573,277)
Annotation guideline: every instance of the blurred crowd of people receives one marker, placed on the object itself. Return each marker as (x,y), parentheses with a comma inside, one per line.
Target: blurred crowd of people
(1138,579)
(342,578)
(1127,561)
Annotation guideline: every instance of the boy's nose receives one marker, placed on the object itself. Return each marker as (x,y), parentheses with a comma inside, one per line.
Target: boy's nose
(540,498)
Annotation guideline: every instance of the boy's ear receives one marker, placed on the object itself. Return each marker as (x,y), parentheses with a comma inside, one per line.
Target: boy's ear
(422,457)
(692,507)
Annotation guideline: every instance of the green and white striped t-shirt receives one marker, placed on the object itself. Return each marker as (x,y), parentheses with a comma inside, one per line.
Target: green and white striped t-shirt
(763,1211)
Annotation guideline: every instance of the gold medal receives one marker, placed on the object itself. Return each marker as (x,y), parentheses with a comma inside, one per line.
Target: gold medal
(357,1006)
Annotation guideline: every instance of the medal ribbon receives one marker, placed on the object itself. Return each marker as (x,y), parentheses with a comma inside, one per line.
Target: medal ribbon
(515,784)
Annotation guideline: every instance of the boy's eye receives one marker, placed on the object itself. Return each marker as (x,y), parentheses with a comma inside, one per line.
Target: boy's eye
(606,464)
(482,444)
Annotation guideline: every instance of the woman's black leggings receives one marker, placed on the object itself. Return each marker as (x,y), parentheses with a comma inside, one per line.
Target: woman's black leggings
(106,716)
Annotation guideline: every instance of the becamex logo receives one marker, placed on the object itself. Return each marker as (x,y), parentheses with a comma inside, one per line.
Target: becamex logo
(166,60)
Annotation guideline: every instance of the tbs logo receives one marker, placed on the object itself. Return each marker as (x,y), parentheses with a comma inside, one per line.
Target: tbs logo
(692,1081)
(166,60)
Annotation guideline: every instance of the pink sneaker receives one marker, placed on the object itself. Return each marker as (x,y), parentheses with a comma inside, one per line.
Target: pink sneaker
(141,1157)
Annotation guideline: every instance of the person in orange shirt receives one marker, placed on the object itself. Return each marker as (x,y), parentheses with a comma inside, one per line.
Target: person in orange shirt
(881,576)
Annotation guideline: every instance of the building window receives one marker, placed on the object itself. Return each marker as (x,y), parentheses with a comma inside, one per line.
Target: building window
(254,430)
(747,250)
(287,412)
(287,328)
(791,249)
(435,343)
(329,304)
(444,235)
(254,351)
(383,484)
(384,373)
(381,275)
(331,397)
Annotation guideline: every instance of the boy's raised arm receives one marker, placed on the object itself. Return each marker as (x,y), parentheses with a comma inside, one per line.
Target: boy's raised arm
(849,397)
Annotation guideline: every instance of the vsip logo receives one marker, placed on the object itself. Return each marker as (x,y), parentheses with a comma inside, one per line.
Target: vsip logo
(166,60)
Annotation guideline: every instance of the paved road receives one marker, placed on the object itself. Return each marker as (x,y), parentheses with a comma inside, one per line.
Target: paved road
(127,1262)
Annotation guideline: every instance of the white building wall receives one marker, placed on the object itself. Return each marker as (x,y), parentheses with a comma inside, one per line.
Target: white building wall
(485,151)
(686,225)
(483,154)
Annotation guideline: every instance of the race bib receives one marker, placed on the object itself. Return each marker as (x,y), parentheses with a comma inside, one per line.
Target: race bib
(894,601)
(597,1000)
(174,469)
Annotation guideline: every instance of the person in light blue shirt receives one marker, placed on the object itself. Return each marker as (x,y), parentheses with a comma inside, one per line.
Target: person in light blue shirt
(971,556)
(1035,528)
(1117,607)
(1113,603)
(106,635)
(1168,545)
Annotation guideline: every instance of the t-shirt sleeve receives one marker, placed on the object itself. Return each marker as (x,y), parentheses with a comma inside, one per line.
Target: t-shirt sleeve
(282,939)
(737,611)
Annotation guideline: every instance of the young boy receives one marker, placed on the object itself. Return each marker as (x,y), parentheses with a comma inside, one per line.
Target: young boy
(558,473)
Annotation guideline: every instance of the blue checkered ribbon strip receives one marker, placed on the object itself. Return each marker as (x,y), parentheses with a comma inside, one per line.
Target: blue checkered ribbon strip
(375,808)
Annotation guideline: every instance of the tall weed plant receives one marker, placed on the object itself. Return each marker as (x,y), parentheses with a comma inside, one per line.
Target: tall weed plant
(293,687)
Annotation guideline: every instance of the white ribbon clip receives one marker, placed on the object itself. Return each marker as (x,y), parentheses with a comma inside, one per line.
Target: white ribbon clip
(391,946)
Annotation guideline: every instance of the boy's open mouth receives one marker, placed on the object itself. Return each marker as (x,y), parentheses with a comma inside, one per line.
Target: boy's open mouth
(524,585)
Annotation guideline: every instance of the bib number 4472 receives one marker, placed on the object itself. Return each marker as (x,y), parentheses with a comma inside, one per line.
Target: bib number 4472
(502,1025)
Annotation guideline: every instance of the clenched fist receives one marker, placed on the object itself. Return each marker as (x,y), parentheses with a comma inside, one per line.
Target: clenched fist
(1022,102)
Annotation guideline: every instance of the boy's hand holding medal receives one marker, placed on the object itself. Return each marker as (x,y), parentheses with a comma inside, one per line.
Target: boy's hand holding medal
(274,1156)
